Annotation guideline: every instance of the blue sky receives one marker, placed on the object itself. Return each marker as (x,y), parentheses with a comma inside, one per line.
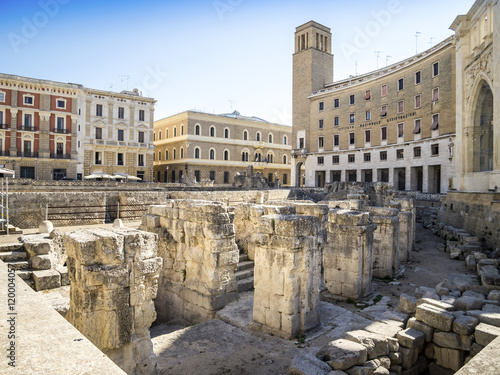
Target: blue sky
(214,55)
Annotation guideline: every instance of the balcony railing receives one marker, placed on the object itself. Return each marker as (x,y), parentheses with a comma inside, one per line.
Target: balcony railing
(60,131)
(300,151)
(28,128)
(27,154)
(60,156)
(4,126)
(4,153)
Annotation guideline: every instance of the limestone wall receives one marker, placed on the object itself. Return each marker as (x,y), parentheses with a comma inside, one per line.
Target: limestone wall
(114,279)
(197,243)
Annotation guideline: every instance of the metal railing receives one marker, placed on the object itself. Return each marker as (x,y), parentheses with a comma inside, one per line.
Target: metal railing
(29,128)
(27,154)
(4,126)
(60,131)
(60,156)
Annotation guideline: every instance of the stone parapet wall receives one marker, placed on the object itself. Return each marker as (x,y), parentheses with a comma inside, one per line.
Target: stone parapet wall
(197,244)
(114,279)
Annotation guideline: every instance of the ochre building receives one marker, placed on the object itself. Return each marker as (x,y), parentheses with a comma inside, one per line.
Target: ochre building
(200,147)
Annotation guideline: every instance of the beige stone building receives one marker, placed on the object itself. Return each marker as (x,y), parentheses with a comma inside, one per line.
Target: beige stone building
(117,134)
(208,147)
(395,125)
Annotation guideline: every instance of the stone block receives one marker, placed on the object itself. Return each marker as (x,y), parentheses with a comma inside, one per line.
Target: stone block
(425,292)
(381,371)
(411,371)
(453,340)
(485,317)
(490,308)
(360,370)
(435,317)
(470,262)
(396,358)
(306,364)
(395,316)
(475,349)
(449,358)
(436,303)
(396,369)
(411,338)
(409,357)
(63,271)
(466,303)
(376,345)
(486,333)
(435,369)
(465,325)
(385,329)
(46,279)
(407,304)
(343,354)
(37,246)
(427,330)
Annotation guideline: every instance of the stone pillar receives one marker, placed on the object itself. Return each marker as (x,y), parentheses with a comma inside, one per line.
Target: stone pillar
(287,274)
(385,241)
(13,129)
(114,277)
(197,243)
(407,222)
(347,255)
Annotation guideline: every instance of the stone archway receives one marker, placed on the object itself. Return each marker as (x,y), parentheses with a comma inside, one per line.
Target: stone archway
(482,129)
(298,174)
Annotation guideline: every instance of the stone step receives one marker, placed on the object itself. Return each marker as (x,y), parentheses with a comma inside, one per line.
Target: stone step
(11,247)
(25,274)
(18,264)
(243,257)
(13,255)
(248,264)
(245,274)
(245,285)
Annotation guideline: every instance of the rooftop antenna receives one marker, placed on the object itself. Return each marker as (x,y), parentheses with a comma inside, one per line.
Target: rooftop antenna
(123,78)
(430,42)
(378,55)
(387,60)
(416,41)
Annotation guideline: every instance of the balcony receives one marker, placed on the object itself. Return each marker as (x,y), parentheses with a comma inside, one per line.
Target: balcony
(300,152)
(28,128)
(60,156)
(27,154)
(4,126)
(4,153)
(60,131)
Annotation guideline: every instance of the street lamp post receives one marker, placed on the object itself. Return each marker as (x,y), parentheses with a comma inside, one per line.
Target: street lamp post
(166,177)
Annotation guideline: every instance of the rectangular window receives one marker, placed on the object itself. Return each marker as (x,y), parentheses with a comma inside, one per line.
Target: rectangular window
(212,175)
(435,121)
(321,142)
(351,158)
(321,124)
(418,101)
(321,106)
(383,133)
(401,84)
(61,104)
(352,99)
(401,130)
(336,140)
(400,154)
(98,158)
(2,97)
(98,133)
(60,123)
(226,177)
(368,115)
(321,160)
(401,106)
(368,136)
(368,94)
(335,159)
(435,95)
(418,77)
(417,127)
(435,150)
(336,121)
(351,138)
(367,157)
(141,115)
(121,112)
(417,152)
(352,118)
(120,135)
(336,103)
(140,160)
(141,137)
(28,121)
(383,113)
(120,158)
(383,155)
(435,69)
(383,90)
(1,118)
(27,148)
(98,110)
(28,100)
(59,148)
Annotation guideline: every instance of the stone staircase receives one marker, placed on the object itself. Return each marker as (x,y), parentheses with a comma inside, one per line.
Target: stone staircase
(16,256)
(244,274)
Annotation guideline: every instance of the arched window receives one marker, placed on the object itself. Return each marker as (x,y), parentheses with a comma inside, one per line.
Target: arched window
(226,155)
(175,132)
(197,153)
(284,159)
(244,156)
(197,129)
(212,154)
(159,155)
(257,137)
(166,154)
(226,133)
(270,138)
(154,136)
(212,131)
(245,135)
(258,157)
(182,130)
(175,153)
(166,133)
(182,152)
(284,140)
(270,158)
(159,136)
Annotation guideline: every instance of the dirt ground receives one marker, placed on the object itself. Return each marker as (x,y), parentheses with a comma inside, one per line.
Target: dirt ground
(217,347)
